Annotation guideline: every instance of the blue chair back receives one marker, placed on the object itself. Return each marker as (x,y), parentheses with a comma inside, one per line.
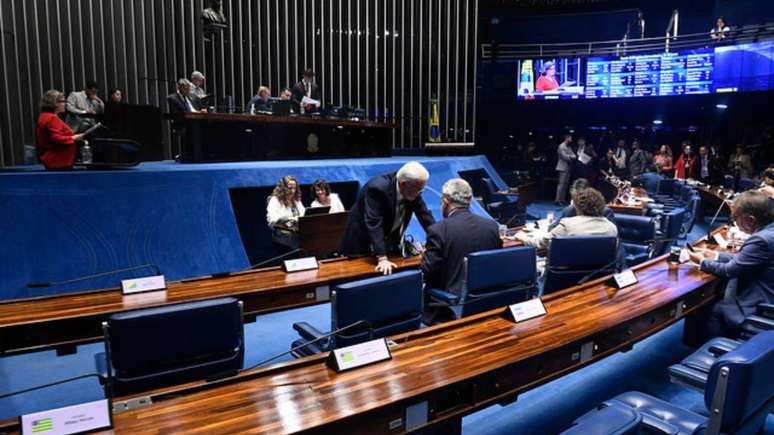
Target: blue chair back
(745,184)
(565,266)
(391,304)
(489,191)
(667,186)
(671,228)
(173,344)
(635,229)
(497,278)
(749,389)
(650,182)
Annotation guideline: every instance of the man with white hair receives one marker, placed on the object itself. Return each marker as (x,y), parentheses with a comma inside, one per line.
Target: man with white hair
(382,212)
(197,90)
(457,235)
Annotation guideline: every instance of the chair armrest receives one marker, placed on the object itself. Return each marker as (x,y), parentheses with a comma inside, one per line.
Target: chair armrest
(307,331)
(717,351)
(444,296)
(684,375)
(765,310)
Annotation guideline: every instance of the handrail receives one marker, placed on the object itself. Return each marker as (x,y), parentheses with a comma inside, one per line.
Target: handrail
(613,47)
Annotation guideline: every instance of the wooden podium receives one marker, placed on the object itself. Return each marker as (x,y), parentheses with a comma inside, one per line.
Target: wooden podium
(321,235)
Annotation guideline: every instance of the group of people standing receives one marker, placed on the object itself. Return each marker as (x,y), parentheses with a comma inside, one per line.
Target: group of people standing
(708,165)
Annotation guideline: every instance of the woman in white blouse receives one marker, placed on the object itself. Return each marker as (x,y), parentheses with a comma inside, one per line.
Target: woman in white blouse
(324,198)
(283,210)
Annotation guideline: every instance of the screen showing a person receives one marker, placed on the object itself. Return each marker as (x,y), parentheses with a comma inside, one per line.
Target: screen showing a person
(728,68)
(550,78)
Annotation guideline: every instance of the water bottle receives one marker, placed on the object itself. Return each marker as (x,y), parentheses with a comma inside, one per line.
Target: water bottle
(86,156)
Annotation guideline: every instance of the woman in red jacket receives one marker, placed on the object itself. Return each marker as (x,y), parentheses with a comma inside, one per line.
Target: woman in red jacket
(685,167)
(54,138)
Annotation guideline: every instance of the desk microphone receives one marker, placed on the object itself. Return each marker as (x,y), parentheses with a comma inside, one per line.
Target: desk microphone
(273,259)
(88,277)
(709,230)
(601,269)
(320,338)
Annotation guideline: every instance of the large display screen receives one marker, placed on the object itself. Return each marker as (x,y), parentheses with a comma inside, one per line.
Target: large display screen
(744,67)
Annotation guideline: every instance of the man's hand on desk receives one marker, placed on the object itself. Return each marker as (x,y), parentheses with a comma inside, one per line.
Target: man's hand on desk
(701,255)
(385,266)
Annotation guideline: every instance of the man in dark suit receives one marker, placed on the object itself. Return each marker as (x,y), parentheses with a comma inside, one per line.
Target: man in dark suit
(750,271)
(457,235)
(382,212)
(180,102)
(305,88)
(570,211)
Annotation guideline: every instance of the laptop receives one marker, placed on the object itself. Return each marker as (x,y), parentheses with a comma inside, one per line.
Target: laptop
(314,211)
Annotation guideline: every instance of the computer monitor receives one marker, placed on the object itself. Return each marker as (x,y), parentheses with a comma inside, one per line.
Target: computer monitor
(280,107)
(313,211)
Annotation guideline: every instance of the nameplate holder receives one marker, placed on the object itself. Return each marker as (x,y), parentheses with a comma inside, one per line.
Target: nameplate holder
(718,238)
(624,279)
(85,417)
(299,264)
(358,355)
(525,310)
(145,284)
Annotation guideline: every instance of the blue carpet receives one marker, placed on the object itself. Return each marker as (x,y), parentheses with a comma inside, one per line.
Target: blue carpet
(544,410)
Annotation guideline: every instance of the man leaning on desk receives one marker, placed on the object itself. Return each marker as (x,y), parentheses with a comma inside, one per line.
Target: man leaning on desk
(750,272)
(383,210)
(305,88)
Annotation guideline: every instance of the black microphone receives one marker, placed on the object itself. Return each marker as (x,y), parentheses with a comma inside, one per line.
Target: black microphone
(59,382)
(320,338)
(601,269)
(88,277)
(273,259)
(673,239)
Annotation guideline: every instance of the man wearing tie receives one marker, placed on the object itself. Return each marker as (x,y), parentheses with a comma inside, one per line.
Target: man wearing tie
(620,157)
(305,88)
(180,102)
(382,212)
(706,170)
(565,159)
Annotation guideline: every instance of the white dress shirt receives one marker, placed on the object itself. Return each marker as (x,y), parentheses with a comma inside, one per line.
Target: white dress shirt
(336,205)
(277,212)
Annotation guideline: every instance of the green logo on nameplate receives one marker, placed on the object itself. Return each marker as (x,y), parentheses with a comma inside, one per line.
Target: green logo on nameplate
(347,357)
(43,425)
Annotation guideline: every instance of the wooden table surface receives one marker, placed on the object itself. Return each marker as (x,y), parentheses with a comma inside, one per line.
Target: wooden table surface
(638,209)
(70,319)
(454,368)
(272,119)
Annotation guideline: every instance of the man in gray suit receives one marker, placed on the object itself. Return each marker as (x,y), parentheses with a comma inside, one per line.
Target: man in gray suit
(565,157)
(637,161)
(82,106)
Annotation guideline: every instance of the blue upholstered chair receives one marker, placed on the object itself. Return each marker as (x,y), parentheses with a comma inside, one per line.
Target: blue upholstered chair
(745,184)
(671,226)
(571,259)
(694,369)
(607,420)
(156,347)
(494,278)
(739,395)
(650,182)
(636,234)
(391,304)
(502,207)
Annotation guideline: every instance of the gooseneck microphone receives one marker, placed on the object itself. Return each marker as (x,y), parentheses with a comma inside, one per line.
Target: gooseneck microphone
(88,277)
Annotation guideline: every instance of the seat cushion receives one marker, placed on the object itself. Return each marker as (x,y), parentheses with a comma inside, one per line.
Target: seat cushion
(703,358)
(658,415)
(607,420)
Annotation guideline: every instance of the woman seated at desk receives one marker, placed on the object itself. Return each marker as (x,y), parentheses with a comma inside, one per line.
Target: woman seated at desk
(282,212)
(324,198)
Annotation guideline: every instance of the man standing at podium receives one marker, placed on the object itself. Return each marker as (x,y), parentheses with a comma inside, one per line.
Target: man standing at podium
(305,88)
(382,212)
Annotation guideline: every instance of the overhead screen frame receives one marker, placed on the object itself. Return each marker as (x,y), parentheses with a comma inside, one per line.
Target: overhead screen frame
(703,70)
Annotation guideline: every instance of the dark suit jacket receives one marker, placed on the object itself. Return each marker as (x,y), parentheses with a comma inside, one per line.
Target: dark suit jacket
(753,268)
(176,104)
(570,211)
(371,218)
(449,241)
(299,92)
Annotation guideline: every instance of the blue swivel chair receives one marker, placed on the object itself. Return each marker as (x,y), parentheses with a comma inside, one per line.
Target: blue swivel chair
(571,259)
(671,226)
(502,207)
(607,420)
(391,304)
(636,234)
(739,395)
(494,278)
(156,347)
(650,182)
(694,369)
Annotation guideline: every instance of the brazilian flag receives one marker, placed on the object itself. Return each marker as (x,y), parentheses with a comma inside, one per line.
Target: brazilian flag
(435,123)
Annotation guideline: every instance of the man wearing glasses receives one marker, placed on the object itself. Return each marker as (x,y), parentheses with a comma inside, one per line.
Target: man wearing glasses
(383,210)
(750,271)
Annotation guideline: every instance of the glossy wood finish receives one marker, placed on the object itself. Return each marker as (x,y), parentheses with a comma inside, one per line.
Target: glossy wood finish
(67,320)
(269,119)
(457,368)
(637,209)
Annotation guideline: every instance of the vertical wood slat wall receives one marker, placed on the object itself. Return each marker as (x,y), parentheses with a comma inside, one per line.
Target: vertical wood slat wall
(389,57)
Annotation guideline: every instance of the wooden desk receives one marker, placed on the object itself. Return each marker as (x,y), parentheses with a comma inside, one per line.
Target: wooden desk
(213,137)
(453,369)
(321,235)
(64,321)
(638,209)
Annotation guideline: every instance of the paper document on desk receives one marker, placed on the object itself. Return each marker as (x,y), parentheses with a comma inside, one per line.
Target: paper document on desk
(306,101)
(584,158)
